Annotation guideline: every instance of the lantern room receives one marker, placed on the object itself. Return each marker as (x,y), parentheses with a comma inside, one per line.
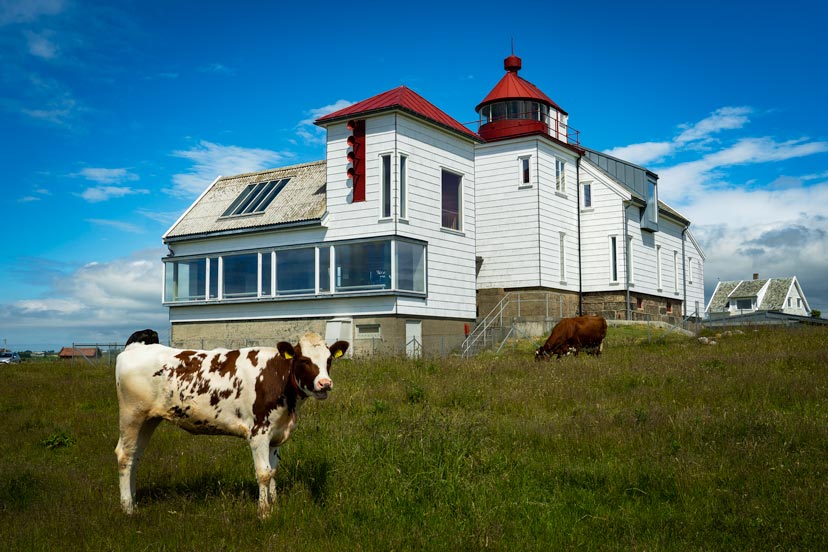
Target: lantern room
(516,107)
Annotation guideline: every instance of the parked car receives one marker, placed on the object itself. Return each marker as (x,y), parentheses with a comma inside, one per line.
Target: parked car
(9,358)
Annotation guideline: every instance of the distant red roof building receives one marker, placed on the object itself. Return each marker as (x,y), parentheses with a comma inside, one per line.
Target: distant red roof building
(84,352)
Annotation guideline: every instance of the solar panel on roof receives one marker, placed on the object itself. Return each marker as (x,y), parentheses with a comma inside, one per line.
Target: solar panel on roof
(255,198)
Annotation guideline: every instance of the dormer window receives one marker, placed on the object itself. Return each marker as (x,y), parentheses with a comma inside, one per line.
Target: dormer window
(255,198)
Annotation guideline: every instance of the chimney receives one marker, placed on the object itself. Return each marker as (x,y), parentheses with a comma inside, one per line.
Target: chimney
(755,275)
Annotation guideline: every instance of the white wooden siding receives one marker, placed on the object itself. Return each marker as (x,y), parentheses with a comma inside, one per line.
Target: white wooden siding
(518,226)
(451,256)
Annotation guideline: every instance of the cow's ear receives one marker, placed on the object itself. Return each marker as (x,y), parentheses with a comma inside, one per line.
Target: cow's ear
(285,349)
(338,349)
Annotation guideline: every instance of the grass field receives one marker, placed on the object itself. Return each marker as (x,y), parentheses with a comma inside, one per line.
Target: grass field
(674,446)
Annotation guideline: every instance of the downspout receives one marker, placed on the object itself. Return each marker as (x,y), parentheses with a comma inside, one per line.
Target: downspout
(578,211)
(540,232)
(684,271)
(627,258)
(395,209)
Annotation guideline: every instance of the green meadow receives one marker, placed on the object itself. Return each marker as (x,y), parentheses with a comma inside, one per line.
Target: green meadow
(655,445)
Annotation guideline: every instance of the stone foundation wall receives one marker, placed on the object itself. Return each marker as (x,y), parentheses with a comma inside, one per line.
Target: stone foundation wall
(540,305)
(613,306)
(384,336)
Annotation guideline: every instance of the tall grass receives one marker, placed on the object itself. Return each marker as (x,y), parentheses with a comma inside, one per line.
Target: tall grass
(674,446)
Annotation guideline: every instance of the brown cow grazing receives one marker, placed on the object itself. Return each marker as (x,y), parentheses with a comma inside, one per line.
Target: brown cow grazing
(571,335)
(253,393)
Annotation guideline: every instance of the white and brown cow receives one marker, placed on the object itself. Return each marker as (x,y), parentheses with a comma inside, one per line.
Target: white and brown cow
(252,393)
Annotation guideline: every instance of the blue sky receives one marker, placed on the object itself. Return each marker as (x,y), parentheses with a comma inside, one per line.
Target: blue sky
(115,117)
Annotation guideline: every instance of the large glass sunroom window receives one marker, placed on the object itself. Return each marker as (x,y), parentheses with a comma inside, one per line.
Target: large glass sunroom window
(307,271)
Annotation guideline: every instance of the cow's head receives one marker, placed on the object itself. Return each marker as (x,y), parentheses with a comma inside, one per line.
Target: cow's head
(311,363)
(541,354)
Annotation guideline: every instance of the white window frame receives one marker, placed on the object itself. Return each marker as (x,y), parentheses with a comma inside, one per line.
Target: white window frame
(675,272)
(630,261)
(525,160)
(460,196)
(584,187)
(613,259)
(403,186)
(386,186)
(689,270)
(560,176)
(659,283)
(562,259)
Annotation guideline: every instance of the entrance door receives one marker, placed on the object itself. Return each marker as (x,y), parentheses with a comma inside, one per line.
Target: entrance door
(413,338)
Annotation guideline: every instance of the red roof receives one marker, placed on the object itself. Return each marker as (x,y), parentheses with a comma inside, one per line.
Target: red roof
(404,99)
(513,87)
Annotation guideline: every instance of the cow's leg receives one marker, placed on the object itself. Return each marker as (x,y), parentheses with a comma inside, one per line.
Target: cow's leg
(274,463)
(260,446)
(135,431)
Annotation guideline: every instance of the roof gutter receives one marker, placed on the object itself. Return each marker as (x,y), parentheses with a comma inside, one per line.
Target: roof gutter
(247,230)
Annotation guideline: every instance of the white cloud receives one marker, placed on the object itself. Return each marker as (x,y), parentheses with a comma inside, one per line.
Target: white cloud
(685,181)
(108,176)
(644,153)
(101,302)
(212,160)
(41,45)
(309,132)
(26,11)
(725,118)
(97,194)
(118,225)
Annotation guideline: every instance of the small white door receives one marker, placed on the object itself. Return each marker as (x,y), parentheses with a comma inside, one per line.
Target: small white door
(413,338)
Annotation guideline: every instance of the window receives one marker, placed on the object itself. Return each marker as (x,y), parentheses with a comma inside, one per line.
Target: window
(560,176)
(790,301)
(411,272)
(335,268)
(255,198)
(185,280)
(689,270)
(652,202)
(363,266)
(669,307)
(240,275)
(368,331)
(630,258)
(675,272)
(799,302)
(744,304)
(452,200)
(294,271)
(324,269)
(562,260)
(213,277)
(403,186)
(587,195)
(385,191)
(266,272)
(523,168)
(613,259)
(658,268)
(639,303)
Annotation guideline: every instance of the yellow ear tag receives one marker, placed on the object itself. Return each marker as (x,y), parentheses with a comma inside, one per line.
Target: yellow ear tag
(337,354)
(287,355)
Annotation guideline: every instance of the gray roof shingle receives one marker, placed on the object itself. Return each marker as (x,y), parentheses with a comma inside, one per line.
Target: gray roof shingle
(302,199)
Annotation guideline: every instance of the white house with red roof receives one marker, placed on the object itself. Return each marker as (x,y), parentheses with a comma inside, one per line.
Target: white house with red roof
(415,227)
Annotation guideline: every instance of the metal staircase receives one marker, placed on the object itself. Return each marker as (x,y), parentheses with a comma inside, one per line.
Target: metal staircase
(492,332)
